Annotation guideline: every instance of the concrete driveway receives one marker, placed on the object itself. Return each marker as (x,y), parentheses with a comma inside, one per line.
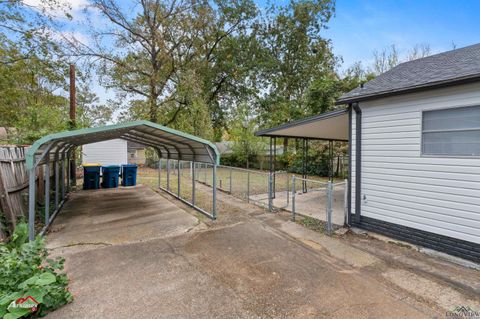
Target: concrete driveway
(131,253)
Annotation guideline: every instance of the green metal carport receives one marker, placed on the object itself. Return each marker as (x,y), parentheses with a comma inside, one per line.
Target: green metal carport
(57,148)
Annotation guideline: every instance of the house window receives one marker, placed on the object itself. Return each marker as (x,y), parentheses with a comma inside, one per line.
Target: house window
(451,132)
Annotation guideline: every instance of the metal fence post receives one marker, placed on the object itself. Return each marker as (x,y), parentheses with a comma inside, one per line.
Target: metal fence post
(231,169)
(288,188)
(214,198)
(178,181)
(168,174)
(31,204)
(329,207)
(248,186)
(345,203)
(193,183)
(293,197)
(47,189)
(205,174)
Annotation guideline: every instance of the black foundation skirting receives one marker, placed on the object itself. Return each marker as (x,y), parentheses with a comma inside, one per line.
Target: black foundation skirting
(449,245)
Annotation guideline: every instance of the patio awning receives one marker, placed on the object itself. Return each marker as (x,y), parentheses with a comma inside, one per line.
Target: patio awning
(170,143)
(327,126)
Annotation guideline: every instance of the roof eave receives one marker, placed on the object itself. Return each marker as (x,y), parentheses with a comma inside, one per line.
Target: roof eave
(266,132)
(412,89)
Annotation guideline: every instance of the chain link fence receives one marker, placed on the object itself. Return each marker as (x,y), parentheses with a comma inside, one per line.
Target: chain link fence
(324,201)
(196,184)
(193,183)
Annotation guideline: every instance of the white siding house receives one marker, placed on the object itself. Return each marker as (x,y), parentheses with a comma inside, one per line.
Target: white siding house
(414,149)
(111,152)
(402,185)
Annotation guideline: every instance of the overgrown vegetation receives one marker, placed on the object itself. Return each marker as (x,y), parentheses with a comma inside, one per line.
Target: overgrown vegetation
(26,271)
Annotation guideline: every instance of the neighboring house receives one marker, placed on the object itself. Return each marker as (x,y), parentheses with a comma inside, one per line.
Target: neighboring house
(415,152)
(136,153)
(111,152)
(3,134)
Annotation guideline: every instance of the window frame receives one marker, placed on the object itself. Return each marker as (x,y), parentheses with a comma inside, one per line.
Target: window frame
(422,131)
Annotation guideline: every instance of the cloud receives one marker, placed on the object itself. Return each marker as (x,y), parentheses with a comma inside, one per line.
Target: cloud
(57,9)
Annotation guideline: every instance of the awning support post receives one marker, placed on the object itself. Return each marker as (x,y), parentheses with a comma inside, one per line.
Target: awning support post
(31,204)
(274,165)
(304,165)
(330,155)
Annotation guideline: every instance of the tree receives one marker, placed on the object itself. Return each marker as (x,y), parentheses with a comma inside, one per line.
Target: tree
(162,47)
(33,72)
(419,51)
(296,63)
(388,58)
(245,144)
(385,60)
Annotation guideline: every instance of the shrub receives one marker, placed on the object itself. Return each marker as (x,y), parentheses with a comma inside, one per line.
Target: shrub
(25,271)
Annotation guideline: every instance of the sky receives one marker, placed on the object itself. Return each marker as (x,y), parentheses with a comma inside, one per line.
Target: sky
(360,27)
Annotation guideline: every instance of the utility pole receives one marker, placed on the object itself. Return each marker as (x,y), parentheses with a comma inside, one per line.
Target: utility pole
(73,124)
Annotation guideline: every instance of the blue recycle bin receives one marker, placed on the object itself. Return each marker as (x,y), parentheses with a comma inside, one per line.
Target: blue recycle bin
(110,176)
(129,175)
(91,176)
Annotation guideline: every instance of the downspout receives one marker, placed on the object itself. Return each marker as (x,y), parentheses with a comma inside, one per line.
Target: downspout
(358,160)
(349,195)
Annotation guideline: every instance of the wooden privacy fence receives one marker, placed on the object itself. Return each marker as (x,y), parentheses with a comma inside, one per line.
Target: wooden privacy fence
(14,187)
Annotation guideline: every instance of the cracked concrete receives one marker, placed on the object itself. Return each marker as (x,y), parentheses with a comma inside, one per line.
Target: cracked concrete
(161,262)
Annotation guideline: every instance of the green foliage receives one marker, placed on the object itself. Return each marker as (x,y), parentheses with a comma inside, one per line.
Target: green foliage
(297,62)
(26,271)
(245,144)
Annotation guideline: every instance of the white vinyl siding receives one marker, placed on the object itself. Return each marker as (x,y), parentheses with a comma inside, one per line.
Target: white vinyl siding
(111,152)
(439,194)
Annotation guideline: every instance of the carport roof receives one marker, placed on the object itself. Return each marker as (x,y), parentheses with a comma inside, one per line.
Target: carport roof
(169,142)
(327,126)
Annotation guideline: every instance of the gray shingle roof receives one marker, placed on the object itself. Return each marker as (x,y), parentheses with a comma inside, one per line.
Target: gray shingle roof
(440,69)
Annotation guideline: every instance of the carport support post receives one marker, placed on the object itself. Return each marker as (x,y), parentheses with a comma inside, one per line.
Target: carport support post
(168,174)
(57,179)
(31,204)
(47,189)
(193,182)
(178,180)
(63,178)
(160,172)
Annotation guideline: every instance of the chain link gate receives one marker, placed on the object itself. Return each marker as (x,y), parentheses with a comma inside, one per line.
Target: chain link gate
(325,201)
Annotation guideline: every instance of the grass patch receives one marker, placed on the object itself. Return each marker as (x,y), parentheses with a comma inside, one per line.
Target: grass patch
(312,223)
